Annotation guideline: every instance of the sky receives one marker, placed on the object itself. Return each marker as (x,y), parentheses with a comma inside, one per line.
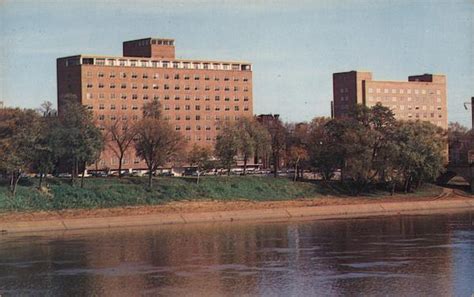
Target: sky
(294,46)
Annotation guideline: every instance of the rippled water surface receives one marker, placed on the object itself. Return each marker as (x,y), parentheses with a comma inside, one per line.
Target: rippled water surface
(391,256)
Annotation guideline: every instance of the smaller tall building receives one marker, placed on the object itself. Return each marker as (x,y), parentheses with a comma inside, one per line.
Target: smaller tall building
(422,97)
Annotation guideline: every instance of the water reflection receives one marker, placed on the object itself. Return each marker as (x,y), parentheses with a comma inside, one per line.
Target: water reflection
(393,256)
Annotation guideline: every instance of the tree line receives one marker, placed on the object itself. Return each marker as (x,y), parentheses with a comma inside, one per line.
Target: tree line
(369,148)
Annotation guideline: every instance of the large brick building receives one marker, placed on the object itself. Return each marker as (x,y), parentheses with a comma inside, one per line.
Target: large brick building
(196,96)
(422,97)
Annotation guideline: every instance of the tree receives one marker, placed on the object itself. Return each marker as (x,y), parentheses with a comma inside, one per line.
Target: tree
(297,146)
(324,150)
(200,157)
(253,139)
(277,133)
(120,136)
(156,141)
(227,146)
(19,131)
(77,140)
(43,154)
(420,152)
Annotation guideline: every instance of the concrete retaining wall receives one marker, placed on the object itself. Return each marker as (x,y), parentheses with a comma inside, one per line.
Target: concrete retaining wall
(276,214)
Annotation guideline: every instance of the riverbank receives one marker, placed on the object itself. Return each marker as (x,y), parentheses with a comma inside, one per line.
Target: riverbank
(133,191)
(220,211)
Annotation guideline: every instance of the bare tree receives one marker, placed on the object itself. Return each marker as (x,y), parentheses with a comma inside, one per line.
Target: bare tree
(120,135)
(156,141)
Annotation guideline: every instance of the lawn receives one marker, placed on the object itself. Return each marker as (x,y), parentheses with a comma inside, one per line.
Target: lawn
(113,192)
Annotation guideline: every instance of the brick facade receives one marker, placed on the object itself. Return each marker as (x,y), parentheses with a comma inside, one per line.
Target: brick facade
(422,97)
(196,96)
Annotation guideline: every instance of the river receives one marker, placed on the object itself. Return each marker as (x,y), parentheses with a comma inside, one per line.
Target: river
(429,255)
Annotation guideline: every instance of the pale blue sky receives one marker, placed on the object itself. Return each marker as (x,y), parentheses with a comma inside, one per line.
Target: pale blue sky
(294,46)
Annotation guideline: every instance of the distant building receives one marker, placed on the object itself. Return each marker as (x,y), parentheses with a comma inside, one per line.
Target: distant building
(196,96)
(1,104)
(422,97)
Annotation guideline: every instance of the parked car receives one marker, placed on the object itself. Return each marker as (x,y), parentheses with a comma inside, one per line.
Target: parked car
(99,174)
(64,175)
(137,173)
(166,173)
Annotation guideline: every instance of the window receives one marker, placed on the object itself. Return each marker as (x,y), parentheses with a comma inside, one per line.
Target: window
(187,107)
(145,75)
(134,75)
(196,77)
(155,87)
(112,75)
(89,85)
(236,108)
(177,128)
(175,64)
(123,86)
(134,97)
(197,107)
(100,74)
(124,107)
(101,106)
(198,118)
(176,76)
(112,86)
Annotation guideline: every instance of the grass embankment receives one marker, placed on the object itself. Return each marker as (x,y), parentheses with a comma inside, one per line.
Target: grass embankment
(114,192)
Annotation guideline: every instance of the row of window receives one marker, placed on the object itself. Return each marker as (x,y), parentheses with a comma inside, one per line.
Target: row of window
(157,64)
(405,91)
(125,117)
(165,86)
(165,97)
(167,107)
(176,76)
(418,99)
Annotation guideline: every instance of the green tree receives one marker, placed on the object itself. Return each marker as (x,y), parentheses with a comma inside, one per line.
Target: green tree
(253,138)
(78,141)
(227,146)
(200,157)
(420,152)
(19,133)
(43,154)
